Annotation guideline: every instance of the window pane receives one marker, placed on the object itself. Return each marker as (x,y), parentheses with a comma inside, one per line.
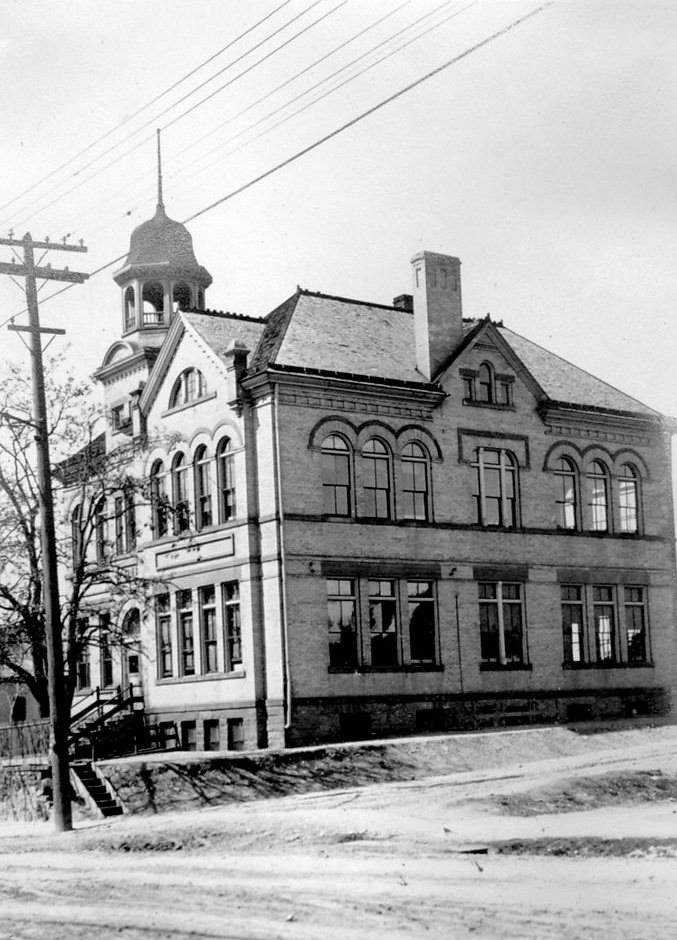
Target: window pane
(383,624)
(421,621)
(341,623)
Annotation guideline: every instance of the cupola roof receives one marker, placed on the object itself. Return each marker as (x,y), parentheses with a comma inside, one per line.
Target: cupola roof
(162,247)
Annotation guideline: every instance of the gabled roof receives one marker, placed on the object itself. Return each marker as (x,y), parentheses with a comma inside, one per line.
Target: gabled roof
(212,330)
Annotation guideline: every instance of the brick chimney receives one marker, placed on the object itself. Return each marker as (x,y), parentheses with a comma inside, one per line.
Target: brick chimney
(438,311)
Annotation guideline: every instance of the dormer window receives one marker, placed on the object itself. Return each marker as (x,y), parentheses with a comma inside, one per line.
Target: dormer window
(484,386)
(190,386)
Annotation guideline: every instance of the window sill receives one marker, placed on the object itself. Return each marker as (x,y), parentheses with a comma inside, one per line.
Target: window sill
(583,666)
(192,533)
(205,677)
(368,670)
(506,667)
(495,406)
(188,404)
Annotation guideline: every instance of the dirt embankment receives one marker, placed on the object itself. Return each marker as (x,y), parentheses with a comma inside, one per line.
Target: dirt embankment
(182,781)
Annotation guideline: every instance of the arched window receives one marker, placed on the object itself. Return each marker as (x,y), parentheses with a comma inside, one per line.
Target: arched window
(376,464)
(181,296)
(485,383)
(565,472)
(225,473)
(153,303)
(180,494)
(628,497)
(158,499)
(336,476)
(203,487)
(414,482)
(189,386)
(495,487)
(130,309)
(76,535)
(598,496)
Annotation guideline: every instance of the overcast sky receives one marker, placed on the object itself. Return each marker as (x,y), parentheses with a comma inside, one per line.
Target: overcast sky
(545,160)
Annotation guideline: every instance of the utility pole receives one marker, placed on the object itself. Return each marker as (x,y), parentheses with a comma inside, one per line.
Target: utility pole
(59,716)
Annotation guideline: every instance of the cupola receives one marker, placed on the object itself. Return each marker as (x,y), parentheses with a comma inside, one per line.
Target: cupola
(160,275)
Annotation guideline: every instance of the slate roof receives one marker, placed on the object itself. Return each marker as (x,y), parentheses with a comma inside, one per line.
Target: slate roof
(565,382)
(315,332)
(219,330)
(82,462)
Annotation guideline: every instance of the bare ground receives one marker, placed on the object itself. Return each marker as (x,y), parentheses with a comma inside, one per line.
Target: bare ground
(552,847)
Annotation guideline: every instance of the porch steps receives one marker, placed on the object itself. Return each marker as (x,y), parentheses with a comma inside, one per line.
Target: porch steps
(105,802)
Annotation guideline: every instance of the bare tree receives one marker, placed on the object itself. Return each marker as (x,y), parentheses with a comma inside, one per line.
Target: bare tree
(96,521)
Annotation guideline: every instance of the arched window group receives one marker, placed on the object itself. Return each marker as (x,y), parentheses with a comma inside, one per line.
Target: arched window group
(193,494)
(371,483)
(190,386)
(589,496)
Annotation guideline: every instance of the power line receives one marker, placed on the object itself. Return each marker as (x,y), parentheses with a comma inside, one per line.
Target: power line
(330,91)
(339,130)
(143,107)
(180,173)
(269,94)
(198,104)
(369,111)
(153,121)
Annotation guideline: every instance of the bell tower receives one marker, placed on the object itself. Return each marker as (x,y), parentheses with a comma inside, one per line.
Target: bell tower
(159,276)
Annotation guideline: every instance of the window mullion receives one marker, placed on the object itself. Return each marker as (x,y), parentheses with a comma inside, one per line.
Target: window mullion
(501,634)
(481,486)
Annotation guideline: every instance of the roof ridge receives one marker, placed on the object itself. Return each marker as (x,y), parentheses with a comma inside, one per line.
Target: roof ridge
(223,314)
(349,300)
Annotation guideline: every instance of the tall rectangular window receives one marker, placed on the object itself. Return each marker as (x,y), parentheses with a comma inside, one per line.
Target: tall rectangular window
(100,531)
(208,628)
(573,634)
(105,652)
(119,525)
(414,467)
(164,635)
(376,475)
(421,612)
(130,520)
(495,487)
(384,639)
(605,623)
(501,622)
(635,624)
(336,476)
(342,622)
(184,604)
(232,625)
(83,678)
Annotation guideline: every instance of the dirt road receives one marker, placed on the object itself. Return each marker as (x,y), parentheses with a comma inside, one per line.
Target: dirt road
(396,860)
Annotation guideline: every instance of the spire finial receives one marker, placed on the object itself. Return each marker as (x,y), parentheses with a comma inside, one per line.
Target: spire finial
(159,173)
